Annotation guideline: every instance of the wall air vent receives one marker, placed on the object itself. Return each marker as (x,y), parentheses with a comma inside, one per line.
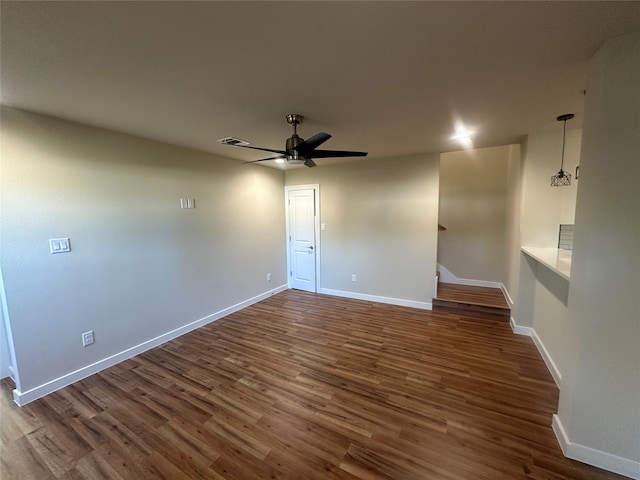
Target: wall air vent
(232,141)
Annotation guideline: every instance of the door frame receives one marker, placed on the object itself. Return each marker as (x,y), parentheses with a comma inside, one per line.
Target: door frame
(317,252)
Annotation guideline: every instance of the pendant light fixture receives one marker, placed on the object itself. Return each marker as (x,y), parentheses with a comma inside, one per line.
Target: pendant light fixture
(562,178)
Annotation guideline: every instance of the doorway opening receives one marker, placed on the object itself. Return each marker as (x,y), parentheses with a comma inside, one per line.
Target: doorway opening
(302,214)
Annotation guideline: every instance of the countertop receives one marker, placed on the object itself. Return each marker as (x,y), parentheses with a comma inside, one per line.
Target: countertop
(555,259)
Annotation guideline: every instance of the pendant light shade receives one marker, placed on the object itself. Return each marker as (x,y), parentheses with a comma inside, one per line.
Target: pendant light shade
(562,178)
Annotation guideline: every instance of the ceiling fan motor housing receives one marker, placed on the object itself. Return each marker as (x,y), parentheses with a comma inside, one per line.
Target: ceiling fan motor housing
(292,153)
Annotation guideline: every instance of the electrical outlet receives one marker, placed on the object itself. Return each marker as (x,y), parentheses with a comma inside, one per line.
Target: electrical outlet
(87,338)
(187,203)
(268,277)
(59,245)
(354,278)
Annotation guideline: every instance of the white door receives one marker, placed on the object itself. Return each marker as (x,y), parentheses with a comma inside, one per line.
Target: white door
(301,220)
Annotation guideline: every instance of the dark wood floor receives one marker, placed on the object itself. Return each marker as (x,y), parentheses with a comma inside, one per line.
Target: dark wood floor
(304,386)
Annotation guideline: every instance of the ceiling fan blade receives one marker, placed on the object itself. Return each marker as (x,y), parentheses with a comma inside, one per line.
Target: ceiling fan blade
(309,163)
(313,142)
(336,154)
(281,152)
(265,159)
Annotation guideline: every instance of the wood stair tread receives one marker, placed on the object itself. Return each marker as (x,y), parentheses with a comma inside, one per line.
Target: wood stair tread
(472,301)
(476,304)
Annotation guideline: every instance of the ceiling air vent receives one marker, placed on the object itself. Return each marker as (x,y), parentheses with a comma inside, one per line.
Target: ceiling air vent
(232,141)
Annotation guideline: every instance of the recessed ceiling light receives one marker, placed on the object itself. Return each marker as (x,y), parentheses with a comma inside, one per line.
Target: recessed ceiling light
(463,135)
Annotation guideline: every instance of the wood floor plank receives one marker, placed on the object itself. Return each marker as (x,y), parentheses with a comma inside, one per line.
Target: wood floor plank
(20,460)
(305,386)
(93,467)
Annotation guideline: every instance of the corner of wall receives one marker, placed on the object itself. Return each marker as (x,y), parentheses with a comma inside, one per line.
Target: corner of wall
(22,398)
(590,456)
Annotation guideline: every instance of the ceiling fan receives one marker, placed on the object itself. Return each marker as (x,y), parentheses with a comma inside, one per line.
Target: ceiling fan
(298,150)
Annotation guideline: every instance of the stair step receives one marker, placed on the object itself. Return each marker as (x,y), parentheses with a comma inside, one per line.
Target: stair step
(472,301)
(472,310)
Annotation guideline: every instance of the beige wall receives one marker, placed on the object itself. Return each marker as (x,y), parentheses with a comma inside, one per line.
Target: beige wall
(545,207)
(140,266)
(6,362)
(541,296)
(381,224)
(473,207)
(600,395)
(512,223)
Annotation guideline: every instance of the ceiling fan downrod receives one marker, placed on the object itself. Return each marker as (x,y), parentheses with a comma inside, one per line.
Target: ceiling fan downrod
(294,120)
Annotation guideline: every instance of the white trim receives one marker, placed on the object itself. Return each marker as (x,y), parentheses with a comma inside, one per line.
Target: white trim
(447,277)
(520,330)
(318,249)
(505,292)
(374,298)
(551,366)
(560,433)
(548,361)
(22,398)
(591,456)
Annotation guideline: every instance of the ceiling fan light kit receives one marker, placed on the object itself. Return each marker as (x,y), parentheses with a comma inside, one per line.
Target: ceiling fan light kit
(562,178)
(297,150)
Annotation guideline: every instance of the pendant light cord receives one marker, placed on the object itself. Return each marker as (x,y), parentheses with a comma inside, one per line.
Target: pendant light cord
(562,178)
(564,134)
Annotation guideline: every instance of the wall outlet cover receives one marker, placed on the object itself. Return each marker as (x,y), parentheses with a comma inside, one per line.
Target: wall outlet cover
(59,245)
(87,338)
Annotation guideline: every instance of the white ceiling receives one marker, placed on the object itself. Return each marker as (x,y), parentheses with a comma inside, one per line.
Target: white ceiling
(390,78)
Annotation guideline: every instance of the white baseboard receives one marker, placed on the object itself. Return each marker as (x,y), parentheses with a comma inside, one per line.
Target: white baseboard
(576,451)
(551,366)
(22,398)
(447,277)
(591,456)
(520,330)
(375,298)
(548,361)
(505,292)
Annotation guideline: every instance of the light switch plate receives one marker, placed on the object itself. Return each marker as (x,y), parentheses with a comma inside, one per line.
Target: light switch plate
(59,245)
(87,338)
(187,203)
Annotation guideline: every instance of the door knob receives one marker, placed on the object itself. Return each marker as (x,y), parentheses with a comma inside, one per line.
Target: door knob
(310,247)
